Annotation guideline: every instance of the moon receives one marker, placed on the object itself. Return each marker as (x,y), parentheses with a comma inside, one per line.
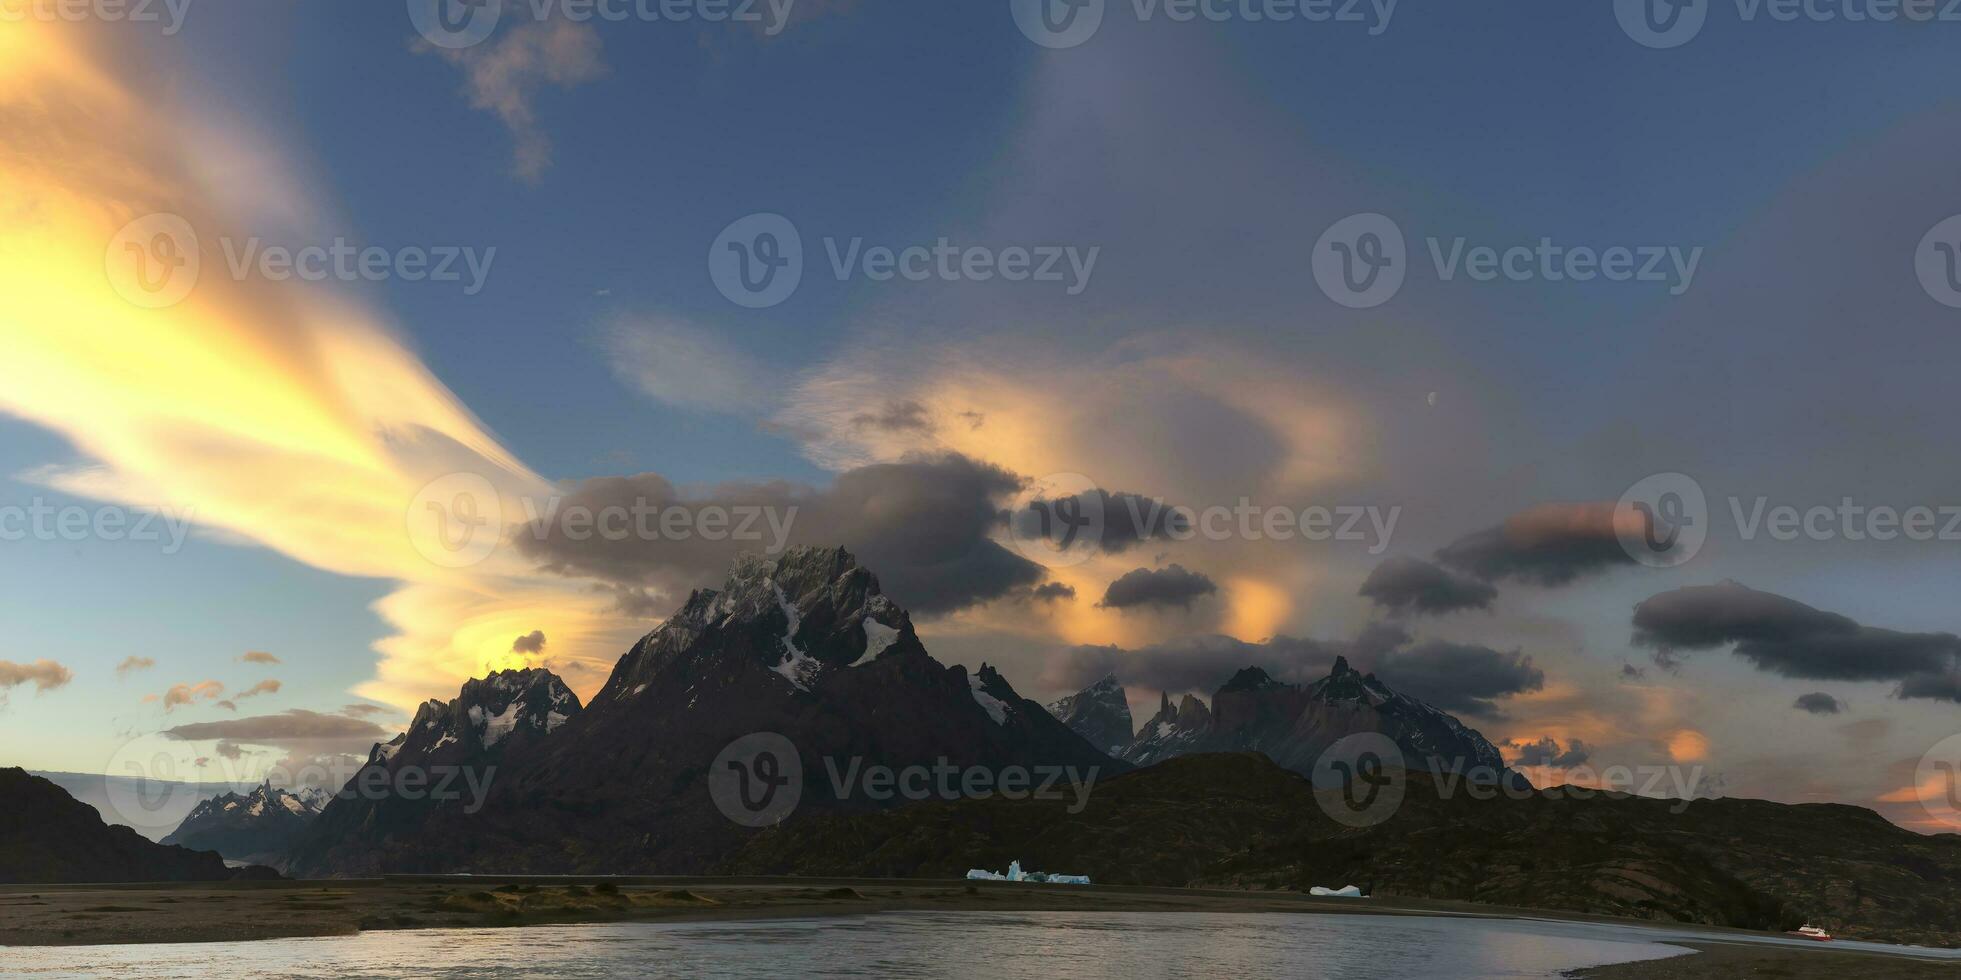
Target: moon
(1431,398)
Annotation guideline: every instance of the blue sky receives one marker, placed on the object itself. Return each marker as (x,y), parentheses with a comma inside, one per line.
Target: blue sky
(1202,160)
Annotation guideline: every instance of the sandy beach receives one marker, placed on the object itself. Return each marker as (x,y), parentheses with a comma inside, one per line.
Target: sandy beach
(116,914)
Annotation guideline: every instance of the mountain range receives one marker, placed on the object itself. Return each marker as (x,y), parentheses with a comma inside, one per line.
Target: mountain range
(1291,724)
(259,827)
(803,645)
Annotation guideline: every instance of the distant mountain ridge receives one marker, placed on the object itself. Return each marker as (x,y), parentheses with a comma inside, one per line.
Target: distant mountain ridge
(259,827)
(1293,724)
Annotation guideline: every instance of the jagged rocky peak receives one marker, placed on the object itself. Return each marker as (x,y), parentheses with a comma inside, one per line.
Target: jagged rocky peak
(800,613)
(532,701)
(1255,679)
(1099,713)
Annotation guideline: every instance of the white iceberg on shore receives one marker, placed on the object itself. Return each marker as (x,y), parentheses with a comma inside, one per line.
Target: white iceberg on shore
(1016,874)
(1349,892)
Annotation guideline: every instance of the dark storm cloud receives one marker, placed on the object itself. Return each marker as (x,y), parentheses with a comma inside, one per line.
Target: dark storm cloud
(1451,676)
(925,525)
(899,416)
(1549,545)
(1547,752)
(1053,591)
(296,725)
(1819,703)
(1197,663)
(1109,522)
(1172,585)
(1944,686)
(532,643)
(1788,638)
(1460,677)
(1411,585)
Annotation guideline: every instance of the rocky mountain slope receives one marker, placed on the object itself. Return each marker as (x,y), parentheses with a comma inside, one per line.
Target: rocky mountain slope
(451,755)
(803,646)
(1099,713)
(1293,725)
(259,827)
(1242,821)
(49,837)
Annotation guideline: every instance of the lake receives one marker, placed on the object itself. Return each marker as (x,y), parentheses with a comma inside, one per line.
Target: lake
(1126,945)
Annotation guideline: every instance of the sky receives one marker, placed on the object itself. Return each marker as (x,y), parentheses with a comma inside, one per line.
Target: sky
(1150,295)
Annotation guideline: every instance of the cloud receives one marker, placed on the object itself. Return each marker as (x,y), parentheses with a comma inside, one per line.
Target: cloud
(1164,587)
(1405,585)
(684,366)
(924,525)
(183,694)
(1936,686)
(1453,676)
(1788,638)
(1819,704)
(1549,545)
(1629,672)
(229,750)
(262,687)
(133,664)
(903,415)
(1109,522)
(259,657)
(230,706)
(504,75)
(365,710)
(296,725)
(532,643)
(1460,677)
(1547,752)
(1053,592)
(45,675)
(250,380)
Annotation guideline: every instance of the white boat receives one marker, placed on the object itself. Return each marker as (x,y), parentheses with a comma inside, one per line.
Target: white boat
(1809,931)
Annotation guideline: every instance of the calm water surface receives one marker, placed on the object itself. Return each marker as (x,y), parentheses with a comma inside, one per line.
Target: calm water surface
(993,945)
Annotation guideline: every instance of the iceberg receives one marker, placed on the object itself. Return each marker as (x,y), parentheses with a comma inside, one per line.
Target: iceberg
(1016,874)
(1349,892)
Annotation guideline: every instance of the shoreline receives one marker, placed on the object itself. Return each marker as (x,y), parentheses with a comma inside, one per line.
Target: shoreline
(86,915)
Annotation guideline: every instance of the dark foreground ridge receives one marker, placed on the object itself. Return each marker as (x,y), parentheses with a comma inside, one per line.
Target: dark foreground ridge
(49,837)
(1240,821)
